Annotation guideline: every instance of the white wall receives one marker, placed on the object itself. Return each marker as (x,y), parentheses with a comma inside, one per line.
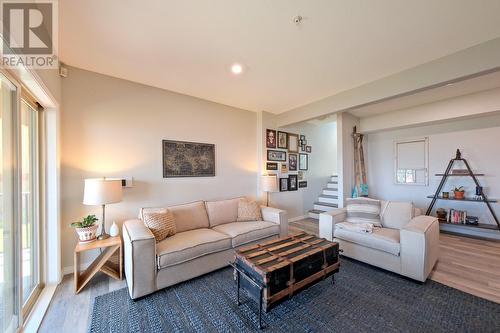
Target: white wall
(114,128)
(345,160)
(478,140)
(322,164)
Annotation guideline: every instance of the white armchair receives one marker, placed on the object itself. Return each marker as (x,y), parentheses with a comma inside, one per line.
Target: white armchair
(409,248)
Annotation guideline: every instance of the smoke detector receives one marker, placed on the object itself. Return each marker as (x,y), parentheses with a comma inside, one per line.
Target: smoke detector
(297,19)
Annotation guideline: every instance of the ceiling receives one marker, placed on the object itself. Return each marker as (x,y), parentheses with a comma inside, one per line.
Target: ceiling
(189,46)
(464,87)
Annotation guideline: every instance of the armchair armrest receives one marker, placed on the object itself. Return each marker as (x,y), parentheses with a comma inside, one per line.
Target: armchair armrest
(140,258)
(278,216)
(419,247)
(328,220)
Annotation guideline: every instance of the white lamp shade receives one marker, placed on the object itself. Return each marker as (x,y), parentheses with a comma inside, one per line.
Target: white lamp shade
(101,191)
(269,183)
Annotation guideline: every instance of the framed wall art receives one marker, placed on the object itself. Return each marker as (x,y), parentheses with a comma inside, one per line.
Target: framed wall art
(293,143)
(188,159)
(292,183)
(282,140)
(303,161)
(283,184)
(302,175)
(308,149)
(303,148)
(270,138)
(271,166)
(302,184)
(284,168)
(292,162)
(276,155)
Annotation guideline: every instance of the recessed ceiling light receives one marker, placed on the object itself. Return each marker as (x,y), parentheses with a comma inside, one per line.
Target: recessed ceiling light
(237,69)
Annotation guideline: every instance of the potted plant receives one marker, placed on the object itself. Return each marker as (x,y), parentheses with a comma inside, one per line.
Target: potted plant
(459,192)
(86,228)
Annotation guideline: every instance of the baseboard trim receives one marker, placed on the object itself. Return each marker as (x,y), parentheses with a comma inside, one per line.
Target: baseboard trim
(298,218)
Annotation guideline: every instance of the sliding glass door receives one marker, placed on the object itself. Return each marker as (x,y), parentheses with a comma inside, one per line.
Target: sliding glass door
(20,255)
(30,203)
(9,254)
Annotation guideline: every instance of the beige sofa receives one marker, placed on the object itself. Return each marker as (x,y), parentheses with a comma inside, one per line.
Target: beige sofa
(206,237)
(407,244)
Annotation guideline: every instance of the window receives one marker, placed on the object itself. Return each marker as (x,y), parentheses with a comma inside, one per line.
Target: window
(20,225)
(411,161)
(9,256)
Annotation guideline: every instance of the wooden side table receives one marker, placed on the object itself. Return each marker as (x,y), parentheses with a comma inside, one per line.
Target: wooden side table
(110,246)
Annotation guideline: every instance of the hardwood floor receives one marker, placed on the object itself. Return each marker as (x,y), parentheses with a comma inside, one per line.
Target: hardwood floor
(69,312)
(470,265)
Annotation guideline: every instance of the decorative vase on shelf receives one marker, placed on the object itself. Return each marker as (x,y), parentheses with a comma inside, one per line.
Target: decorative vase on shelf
(114,231)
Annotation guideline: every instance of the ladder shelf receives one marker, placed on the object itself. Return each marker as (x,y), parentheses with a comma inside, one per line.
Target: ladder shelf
(447,173)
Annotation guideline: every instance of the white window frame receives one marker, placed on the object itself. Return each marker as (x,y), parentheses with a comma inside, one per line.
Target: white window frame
(424,140)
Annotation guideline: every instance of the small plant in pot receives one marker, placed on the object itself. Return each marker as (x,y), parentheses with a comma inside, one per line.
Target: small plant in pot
(86,228)
(459,192)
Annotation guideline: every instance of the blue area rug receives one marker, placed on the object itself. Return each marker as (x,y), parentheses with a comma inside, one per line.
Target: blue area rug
(363,299)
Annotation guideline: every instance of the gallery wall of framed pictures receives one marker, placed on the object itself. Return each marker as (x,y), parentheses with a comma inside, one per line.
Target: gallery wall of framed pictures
(288,158)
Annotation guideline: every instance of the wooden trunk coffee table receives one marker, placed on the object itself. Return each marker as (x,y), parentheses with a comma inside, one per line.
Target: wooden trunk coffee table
(275,270)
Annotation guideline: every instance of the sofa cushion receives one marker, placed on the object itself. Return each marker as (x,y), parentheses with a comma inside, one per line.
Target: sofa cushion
(222,211)
(188,245)
(187,216)
(248,211)
(246,232)
(382,239)
(161,224)
(396,215)
(363,210)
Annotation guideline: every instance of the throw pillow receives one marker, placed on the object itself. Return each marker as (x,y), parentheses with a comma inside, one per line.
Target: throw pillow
(363,210)
(397,215)
(248,211)
(161,224)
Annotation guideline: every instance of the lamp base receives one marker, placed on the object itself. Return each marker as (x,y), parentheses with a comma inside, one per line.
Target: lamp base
(103,236)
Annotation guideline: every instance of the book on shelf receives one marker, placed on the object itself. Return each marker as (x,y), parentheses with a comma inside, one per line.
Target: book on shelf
(456,216)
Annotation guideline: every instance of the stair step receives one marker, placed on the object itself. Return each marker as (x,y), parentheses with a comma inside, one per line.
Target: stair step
(334,178)
(329,191)
(328,199)
(332,185)
(314,213)
(326,204)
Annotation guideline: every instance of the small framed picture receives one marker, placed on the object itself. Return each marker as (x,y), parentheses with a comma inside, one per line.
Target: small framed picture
(308,149)
(292,162)
(282,140)
(270,138)
(292,183)
(304,142)
(301,175)
(303,161)
(302,137)
(293,143)
(276,155)
(283,184)
(303,148)
(272,166)
(302,184)
(284,168)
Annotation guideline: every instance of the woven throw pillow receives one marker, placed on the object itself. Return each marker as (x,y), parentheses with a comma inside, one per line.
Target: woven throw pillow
(363,210)
(161,224)
(248,211)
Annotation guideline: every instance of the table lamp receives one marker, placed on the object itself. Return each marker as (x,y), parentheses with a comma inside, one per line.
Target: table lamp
(269,183)
(102,191)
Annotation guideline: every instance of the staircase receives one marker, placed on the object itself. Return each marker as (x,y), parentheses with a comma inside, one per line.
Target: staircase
(328,200)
